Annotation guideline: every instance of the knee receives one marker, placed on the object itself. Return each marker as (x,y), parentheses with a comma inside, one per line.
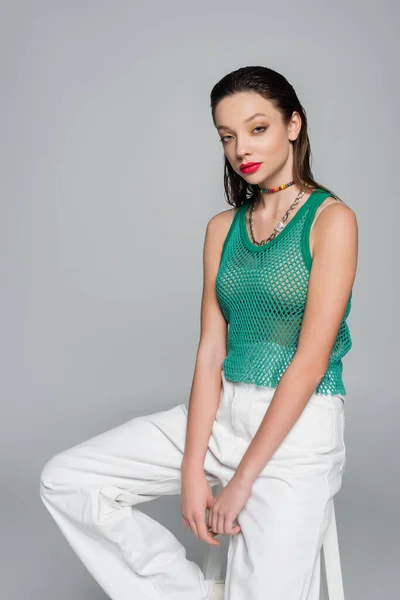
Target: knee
(51,473)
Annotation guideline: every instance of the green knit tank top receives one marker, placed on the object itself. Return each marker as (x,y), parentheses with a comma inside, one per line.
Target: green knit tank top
(262,293)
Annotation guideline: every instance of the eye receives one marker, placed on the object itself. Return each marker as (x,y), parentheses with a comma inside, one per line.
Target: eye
(227,136)
(223,139)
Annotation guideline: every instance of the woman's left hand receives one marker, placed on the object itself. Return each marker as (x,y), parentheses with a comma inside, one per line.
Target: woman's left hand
(227,505)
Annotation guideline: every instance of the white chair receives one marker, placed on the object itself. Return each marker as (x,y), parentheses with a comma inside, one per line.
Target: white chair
(212,561)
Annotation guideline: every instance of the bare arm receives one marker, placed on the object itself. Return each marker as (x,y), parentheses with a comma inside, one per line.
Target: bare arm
(331,280)
(206,386)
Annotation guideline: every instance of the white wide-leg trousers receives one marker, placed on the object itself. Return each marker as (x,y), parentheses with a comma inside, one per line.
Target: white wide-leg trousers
(93,490)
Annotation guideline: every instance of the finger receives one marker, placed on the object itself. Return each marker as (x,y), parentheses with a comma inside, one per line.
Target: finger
(193,527)
(214,520)
(209,518)
(206,535)
(221,523)
(186,521)
(236,529)
(230,526)
(209,525)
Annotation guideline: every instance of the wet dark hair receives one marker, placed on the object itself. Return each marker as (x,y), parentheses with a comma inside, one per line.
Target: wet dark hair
(273,87)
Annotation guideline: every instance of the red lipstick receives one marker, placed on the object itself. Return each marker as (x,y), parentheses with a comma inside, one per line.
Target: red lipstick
(250,167)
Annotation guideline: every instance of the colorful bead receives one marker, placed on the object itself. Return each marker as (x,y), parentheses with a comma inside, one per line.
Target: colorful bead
(281,187)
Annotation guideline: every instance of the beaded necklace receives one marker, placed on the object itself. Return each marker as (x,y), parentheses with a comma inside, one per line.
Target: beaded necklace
(282,222)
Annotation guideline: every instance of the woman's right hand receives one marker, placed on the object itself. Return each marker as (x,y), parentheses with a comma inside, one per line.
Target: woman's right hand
(196,497)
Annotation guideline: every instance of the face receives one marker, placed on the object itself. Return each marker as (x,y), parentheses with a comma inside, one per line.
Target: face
(261,139)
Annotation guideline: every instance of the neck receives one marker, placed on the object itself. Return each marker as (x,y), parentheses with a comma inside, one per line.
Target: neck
(274,204)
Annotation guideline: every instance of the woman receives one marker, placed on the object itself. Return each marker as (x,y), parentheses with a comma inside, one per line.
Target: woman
(266,410)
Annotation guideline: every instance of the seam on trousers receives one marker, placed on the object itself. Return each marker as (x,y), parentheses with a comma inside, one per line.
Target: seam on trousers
(231,411)
(343,465)
(307,584)
(334,443)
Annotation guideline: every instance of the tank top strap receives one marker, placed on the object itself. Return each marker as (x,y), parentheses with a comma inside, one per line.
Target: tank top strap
(317,200)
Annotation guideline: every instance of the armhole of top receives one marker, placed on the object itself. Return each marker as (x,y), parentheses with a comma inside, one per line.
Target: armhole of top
(309,222)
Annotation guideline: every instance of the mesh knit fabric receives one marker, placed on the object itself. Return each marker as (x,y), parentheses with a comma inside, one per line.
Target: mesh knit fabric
(262,293)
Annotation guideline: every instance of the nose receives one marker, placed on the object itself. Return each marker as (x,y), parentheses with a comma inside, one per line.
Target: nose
(242,151)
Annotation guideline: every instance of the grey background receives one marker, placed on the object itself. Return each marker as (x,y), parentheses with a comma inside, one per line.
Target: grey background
(110,171)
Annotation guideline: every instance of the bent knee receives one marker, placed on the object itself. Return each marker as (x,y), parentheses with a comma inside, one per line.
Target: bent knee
(52,472)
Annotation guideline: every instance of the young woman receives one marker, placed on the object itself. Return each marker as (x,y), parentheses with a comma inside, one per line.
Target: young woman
(266,410)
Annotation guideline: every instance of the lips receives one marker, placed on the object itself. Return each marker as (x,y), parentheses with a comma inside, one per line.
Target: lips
(249,167)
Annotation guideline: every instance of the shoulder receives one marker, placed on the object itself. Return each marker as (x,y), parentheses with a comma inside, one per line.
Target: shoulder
(333,220)
(222,218)
(216,232)
(218,226)
(338,213)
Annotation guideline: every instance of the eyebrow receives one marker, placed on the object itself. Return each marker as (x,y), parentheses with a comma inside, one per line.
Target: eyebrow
(245,121)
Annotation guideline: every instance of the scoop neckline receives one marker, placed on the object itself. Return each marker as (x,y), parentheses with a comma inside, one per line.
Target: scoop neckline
(245,234)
